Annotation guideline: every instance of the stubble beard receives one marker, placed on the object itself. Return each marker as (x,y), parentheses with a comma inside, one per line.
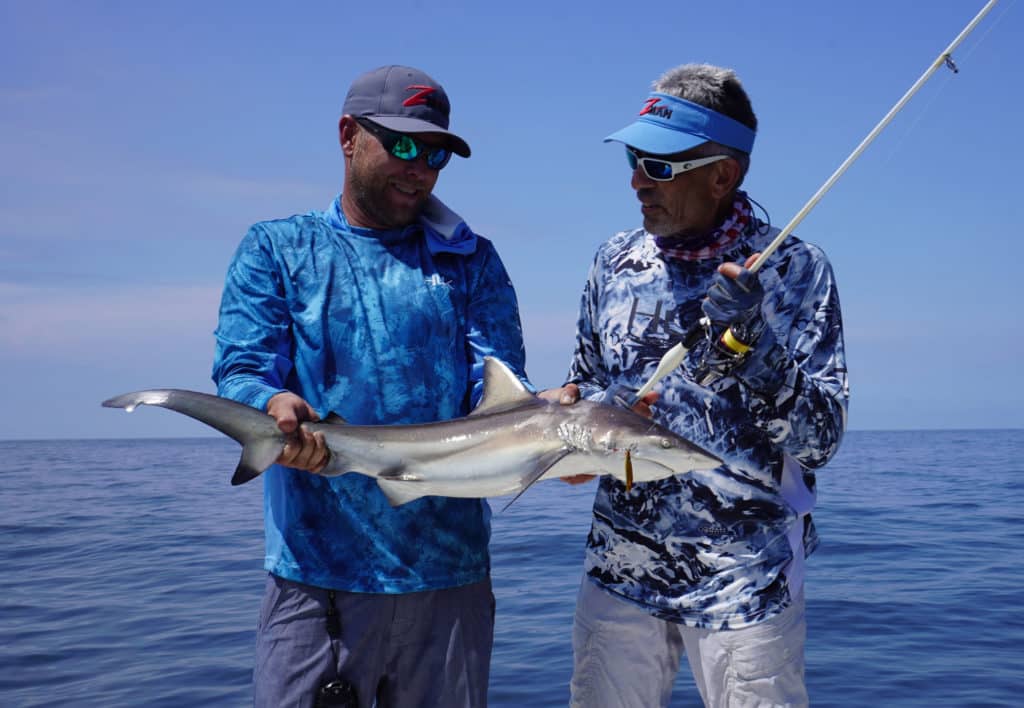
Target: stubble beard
(661,226)
(652,226)
(666,225)
(370,190)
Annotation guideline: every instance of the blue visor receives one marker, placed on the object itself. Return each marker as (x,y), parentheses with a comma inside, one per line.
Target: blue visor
(667,125)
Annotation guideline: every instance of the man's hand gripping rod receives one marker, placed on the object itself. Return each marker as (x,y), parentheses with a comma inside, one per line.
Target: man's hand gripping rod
(674,356)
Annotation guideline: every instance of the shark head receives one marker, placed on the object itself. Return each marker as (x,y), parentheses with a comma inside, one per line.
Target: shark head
(655,451)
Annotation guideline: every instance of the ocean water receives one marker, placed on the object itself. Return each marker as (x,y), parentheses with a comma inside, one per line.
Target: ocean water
(132,576)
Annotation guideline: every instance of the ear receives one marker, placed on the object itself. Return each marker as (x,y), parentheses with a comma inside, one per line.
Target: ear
(726,177)
(347,129)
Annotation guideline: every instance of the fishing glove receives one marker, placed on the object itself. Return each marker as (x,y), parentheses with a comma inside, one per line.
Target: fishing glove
(736,303)
(734,307)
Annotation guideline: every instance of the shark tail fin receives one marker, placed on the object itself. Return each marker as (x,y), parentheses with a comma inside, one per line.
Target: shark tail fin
(257,456)
(257,432)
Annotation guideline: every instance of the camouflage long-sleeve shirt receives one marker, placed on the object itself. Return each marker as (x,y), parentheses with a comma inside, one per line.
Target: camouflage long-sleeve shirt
(722,548)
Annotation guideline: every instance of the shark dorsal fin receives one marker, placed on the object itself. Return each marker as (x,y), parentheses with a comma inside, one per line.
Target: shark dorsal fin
(502,388)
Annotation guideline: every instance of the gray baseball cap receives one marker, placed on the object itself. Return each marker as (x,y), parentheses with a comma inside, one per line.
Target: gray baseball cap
(405,100)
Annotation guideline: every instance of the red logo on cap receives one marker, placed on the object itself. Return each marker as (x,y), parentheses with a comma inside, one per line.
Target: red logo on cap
(420,97)
(648,105)
(651,106)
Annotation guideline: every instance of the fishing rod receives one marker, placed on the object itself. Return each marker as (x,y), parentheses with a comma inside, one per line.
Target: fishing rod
(674,356)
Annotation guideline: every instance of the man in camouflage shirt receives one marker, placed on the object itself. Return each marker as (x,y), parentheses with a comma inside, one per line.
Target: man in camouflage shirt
(706,563)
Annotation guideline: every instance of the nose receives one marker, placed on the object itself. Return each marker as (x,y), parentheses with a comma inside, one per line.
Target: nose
(418,169)
(640,180)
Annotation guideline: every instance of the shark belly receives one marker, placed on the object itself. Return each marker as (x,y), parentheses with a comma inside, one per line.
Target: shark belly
(486,470)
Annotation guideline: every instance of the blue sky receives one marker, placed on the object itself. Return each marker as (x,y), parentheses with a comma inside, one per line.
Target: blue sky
(139,140)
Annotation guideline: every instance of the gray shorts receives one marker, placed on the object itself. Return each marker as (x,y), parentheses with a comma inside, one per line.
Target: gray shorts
(423,649)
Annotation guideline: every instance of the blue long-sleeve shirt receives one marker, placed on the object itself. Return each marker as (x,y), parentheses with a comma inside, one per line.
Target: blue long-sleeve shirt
(381,327)
(720,548)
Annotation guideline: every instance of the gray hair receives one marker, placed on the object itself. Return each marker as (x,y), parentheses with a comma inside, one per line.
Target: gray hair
(720,90)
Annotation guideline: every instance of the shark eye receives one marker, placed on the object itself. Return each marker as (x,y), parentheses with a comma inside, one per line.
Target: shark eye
(666,444)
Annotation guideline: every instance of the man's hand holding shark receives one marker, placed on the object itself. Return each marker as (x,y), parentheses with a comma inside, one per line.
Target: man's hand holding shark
(304,450)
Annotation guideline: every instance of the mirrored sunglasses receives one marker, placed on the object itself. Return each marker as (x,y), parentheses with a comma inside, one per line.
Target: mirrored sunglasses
(406,147)
(665,170)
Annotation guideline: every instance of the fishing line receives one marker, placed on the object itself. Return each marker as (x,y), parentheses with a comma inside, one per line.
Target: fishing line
(674,356)
(969,51)
(898,143)
(995,23)
(943,59)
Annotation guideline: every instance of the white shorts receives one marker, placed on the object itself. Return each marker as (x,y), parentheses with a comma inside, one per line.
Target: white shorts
(627,658)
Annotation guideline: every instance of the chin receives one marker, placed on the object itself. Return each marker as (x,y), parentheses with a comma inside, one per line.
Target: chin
(413,204)
(404,214)
(653,227)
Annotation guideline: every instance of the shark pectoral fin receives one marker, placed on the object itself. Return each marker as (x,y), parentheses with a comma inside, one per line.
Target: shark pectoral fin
(257,456)
(544,463)
(399,492)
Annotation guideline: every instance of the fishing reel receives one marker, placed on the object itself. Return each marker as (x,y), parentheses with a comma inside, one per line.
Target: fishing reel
(719,351)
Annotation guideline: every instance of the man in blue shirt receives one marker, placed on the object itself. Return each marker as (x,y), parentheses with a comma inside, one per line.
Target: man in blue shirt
(381,309)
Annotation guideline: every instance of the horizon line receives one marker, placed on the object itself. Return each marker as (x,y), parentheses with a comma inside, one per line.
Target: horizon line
(224,437)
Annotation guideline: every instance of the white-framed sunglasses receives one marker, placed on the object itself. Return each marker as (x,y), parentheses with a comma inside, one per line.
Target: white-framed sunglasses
(666,170)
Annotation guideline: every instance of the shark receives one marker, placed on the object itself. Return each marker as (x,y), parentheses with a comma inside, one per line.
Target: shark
(510,440)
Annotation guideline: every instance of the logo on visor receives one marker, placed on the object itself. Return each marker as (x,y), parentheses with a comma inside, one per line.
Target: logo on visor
(420,97)
(651,106)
